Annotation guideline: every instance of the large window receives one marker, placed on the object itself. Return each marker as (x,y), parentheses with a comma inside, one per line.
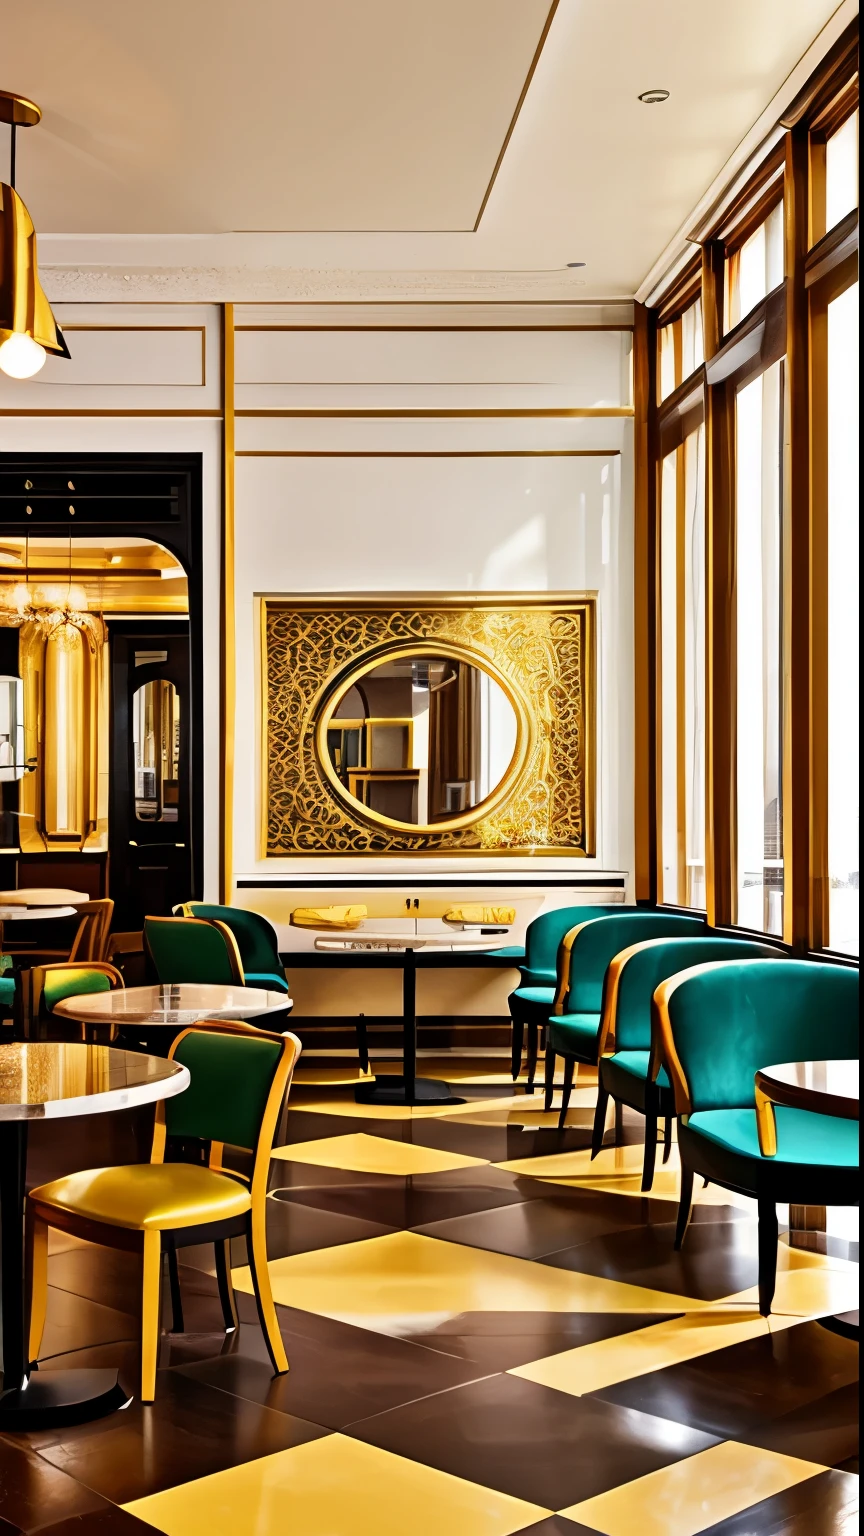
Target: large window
(841,171)
(843,624)
(755,268)
(680,349)
(759,694)
(682,673)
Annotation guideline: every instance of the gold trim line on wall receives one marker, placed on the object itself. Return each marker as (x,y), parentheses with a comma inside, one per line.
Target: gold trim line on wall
(542,652)
(432,414)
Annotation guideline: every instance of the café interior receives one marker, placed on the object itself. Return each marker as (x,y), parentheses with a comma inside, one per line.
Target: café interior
(429,883)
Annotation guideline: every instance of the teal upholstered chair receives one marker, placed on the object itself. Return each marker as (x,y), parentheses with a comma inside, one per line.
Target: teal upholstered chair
(7,993)
(625,1030)
(585,954)
(715,1027)
(256,941)
(187,949)
(532,1002)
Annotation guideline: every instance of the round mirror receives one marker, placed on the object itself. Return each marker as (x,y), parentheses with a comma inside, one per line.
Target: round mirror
(420,739)
(156,750)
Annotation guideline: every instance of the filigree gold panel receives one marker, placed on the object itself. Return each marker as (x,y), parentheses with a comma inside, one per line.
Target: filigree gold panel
(542,653)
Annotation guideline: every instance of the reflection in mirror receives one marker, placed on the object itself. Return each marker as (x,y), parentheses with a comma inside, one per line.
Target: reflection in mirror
(422,739)
(156,749)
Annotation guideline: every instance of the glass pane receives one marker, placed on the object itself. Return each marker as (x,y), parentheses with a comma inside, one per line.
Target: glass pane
(156,750)
(692,348)
(667,360)
(843,749)
(841,172)
(670,857)
(759,671)
(694,666)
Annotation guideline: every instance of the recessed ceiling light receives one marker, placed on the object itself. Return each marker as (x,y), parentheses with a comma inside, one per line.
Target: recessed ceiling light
(577,263)
(653,98)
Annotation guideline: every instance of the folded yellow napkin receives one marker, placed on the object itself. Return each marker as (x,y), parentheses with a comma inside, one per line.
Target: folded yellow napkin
(474,913)
(327,917)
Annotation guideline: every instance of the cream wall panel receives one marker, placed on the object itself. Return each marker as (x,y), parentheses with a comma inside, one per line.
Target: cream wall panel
(376,316)
(432,435)
(419,396)
(593,365)
(134,357)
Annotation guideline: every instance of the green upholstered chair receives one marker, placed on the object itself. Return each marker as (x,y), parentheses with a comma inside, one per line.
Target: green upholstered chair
(533,1000)
(52,984)
(256,941)
(625,1030)
(585,954)
(715,1026)
(239,1080)
(7,995)
(188,949)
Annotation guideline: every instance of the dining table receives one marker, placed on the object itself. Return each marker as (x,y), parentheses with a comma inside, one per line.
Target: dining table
(42,1080)
(406,1087)
(173,1005)
(824,1088)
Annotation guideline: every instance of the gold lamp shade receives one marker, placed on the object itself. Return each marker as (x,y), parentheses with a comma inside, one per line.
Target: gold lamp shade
(24,310)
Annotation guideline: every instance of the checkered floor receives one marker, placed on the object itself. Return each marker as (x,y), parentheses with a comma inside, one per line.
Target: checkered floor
(488,1334)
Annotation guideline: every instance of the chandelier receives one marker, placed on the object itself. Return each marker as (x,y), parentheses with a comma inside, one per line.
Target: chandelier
(59,611)
(28,330)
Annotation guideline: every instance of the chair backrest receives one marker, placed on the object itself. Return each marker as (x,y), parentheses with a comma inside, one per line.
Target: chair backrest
(634,975)
(239,1079)
(718,1024)
(256,938)
(543,936)
(50,984)
(588,949)
(187,949)
(91,940)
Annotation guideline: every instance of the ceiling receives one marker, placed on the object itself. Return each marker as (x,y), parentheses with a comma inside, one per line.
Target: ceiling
(327,134)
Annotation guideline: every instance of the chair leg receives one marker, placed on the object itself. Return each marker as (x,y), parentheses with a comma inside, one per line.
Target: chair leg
(684,1203)
(767,1254)
(569,1065)
(362,1041)
(549,1077)
(151,1310)
(222,1250)
(256,1243)
(650,1156)
(176,1296)
(516,1038)
(531,1064)
(36,1250)
(667,1139)
(619,1122)
(599,1130)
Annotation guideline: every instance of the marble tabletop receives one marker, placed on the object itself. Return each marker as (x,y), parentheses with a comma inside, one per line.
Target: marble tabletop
(44,1080)
(173,1006)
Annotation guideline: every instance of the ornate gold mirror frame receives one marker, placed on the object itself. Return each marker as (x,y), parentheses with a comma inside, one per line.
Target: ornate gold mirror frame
(540,651)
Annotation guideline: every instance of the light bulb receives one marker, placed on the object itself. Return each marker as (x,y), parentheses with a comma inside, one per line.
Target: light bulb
(21,356)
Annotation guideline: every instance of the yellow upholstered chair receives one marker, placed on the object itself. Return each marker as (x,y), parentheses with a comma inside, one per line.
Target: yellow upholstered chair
(48,985)
(239,1081)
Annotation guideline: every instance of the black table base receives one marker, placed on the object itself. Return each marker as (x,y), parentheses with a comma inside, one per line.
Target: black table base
(38,1399)
(407,1088)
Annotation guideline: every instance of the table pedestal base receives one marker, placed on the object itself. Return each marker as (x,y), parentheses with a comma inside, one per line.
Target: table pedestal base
(52,1399)
(399,1090)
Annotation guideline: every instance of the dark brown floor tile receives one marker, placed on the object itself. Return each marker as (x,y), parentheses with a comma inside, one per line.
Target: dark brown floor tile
(717,1259)
(536,1227)
(793,1391)
(294,1227)
(190,1431)
(826,1505)
(410,1202)
(110,1521)
(75,1322)
(338,1373)
(33,1492)
(529,1441)
(500,1341)
(556,1525)
(103,1275)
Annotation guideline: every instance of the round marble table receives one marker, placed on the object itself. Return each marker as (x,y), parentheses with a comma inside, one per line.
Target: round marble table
(407,1087)
(42,1081)
(18,914)
(172,1006)
(826,1087)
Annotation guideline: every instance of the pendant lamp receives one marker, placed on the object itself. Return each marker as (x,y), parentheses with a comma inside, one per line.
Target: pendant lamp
(28,329)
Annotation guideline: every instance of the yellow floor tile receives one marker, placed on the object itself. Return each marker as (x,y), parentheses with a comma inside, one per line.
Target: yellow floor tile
(618,1170)
(330,1077)
(401,1281)
(808,1285)
(359,1153)
(694,1494)
(334,1487)
(592,1367)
